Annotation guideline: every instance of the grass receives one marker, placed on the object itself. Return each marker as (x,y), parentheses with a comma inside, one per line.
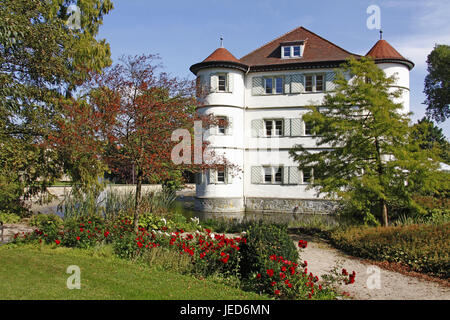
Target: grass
(39,272)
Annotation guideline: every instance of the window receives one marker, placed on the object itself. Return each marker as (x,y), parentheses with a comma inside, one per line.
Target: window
(294,51)
(314,83)
(309,126)
(221,176)
(307,175)
(273,175)
(222,82)
(222,127)
(274,85)
(273,128)
(319,82)
(308,83)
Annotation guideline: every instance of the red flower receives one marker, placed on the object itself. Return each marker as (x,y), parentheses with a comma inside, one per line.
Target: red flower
(273,283)
(273,257)
(270,272)
(344,272)
(78,238)
(277,292)
(258,275)
(282,275)
(106,234)
(302,244)
(57,241)
(283,268)
(81,229)
(139,244)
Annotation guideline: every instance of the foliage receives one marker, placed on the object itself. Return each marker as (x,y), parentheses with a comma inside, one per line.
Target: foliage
(264,240)
(431,137)
(368,158)
(422,248)
(7,217)
(126,117)
(437,83)
(42,62)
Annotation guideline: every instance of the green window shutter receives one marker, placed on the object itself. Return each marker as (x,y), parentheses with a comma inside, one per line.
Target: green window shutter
(257,86)
(287,84)
(256,175)
(214,82)
(296,127)
(257,128)
(287,127)
(297,83)
(230,82)
(294,175)
(329,84)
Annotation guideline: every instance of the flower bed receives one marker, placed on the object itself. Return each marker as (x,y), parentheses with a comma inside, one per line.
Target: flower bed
(209,253)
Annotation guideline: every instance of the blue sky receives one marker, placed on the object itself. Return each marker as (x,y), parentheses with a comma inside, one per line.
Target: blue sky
(185,32)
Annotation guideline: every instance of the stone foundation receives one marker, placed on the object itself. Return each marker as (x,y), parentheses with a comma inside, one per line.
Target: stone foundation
(268,205)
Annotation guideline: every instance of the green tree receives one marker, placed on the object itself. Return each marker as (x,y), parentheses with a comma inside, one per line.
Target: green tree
(431,137)
(367,157)
(437,83)
(43,60)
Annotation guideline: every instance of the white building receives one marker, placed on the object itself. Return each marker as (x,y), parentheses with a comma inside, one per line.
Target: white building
(263,97)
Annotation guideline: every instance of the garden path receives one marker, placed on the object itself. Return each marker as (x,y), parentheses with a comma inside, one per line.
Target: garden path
(322,257)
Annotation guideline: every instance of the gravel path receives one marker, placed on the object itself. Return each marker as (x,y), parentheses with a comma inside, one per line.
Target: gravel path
(321,258)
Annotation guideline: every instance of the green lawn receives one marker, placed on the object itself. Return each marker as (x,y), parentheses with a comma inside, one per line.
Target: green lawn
(28,272)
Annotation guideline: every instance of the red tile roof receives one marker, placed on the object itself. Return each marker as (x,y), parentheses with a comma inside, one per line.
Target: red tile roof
(317,49)
(221,54)
(383,50)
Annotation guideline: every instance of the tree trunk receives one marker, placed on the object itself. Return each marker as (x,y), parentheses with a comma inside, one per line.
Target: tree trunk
(384,212)
(137,201)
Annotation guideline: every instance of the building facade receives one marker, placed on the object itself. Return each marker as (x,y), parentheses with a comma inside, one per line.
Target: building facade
(262,98)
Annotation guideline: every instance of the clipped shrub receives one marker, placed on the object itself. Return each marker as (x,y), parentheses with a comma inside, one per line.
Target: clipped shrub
(422,248)
(7,217)
(264,240)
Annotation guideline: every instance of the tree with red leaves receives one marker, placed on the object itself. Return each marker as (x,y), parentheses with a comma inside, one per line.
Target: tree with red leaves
(126,117)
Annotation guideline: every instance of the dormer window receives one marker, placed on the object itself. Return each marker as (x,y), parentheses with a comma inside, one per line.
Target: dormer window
(289,51)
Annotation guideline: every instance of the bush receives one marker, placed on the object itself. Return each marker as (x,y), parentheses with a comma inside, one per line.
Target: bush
(423,248)
(7,217)
(264,240)
(49,224)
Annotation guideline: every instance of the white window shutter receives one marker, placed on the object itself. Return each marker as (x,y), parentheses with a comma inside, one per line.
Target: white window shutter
(296,127)
(230,82)
(257,128)
(214,82)
(285,171)
(229,129)
(212,176)
(287,84)
(229,176)
(256,175)
(329,81)
(257,86)
(294,175)
(297,83)
(287,127)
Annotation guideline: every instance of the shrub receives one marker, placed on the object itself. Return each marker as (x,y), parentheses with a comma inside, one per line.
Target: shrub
(50,225)
(423,248)
(7,217)
(264,240)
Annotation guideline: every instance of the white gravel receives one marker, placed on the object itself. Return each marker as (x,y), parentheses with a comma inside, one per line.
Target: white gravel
(321,258)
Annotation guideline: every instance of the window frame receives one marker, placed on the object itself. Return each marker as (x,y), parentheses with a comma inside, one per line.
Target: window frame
(273,128)
(274,84)
(225,128)
(314,82)
(291,51)
(273,175)
(225,75)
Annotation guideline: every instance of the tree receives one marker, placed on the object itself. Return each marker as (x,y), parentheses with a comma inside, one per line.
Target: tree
(366,157)
(42,62)
(432,138)
(127,115)
(437,83)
